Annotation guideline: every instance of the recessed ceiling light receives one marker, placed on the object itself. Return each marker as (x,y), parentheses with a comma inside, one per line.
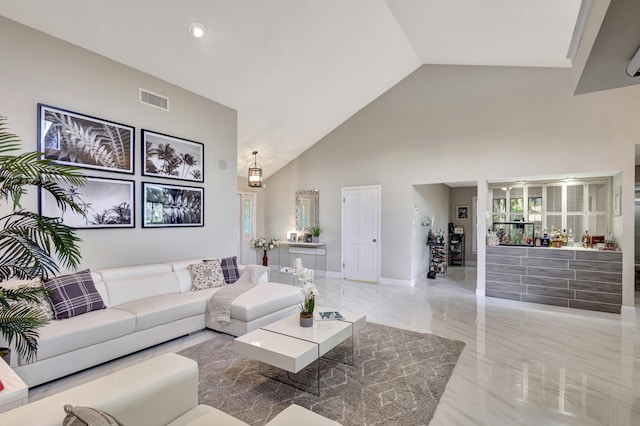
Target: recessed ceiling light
(197,30)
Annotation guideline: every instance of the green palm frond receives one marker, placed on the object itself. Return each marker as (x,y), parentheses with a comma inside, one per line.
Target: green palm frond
(28,242)
(32,245)
(21,323)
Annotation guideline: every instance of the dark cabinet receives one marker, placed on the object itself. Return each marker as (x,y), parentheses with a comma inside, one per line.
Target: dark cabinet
(456,249)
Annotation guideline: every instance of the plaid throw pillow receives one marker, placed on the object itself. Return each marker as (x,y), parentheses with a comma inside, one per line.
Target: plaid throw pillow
(74,294)
(230,269)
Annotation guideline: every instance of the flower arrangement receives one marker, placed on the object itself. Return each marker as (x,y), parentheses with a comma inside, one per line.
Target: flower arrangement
(309,291)
(263,244)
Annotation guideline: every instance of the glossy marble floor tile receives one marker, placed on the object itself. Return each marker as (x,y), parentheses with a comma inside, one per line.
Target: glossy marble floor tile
(523,364)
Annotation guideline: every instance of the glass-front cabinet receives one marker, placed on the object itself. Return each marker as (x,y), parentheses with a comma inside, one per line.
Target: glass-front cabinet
(570,205)
(515,233)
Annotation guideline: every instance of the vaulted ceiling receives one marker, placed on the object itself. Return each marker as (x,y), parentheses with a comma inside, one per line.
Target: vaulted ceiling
(296,69)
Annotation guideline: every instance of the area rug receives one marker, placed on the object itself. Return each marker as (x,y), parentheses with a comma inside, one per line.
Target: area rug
(397,378)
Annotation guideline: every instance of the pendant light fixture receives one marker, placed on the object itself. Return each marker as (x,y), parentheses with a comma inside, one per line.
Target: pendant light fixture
(255,172)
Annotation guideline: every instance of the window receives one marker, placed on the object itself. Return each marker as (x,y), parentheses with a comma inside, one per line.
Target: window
(575,206)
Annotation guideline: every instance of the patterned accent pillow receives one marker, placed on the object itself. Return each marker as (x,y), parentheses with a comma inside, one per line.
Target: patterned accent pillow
(87,416)
(74,294)
(230,269)
(206,275)
(44,306)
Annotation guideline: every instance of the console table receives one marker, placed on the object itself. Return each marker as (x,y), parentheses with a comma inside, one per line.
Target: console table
(313,255)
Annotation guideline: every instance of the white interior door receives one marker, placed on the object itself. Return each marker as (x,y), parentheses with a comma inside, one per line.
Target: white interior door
(361,233)
(247,228)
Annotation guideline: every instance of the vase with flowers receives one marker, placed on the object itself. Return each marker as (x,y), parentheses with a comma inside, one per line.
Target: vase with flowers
(309,292)
(263,244)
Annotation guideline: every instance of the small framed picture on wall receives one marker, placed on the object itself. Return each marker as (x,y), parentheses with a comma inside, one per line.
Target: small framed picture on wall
(293,237)
(462,212)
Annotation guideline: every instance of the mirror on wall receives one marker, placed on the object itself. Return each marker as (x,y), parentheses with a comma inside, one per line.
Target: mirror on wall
(307,209)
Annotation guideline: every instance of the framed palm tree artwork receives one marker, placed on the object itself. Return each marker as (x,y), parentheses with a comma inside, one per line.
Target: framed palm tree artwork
(171,205)
(80,140)
(104,202)
(171,157)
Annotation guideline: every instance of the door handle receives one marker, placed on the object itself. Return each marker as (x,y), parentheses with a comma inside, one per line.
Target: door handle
(374,240)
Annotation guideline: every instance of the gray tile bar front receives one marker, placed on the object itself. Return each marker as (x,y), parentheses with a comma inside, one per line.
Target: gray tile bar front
(549,272)
(504,260)
(545,263)
(605,277)
(545,281)
(595,286)
(590,265)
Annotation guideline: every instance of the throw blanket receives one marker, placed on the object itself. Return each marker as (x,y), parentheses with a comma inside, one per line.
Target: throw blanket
(220,301)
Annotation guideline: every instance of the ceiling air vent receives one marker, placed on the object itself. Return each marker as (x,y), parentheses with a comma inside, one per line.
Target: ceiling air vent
(154,100)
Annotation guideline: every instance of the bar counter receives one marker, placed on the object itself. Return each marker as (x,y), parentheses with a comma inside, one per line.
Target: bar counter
(571,277)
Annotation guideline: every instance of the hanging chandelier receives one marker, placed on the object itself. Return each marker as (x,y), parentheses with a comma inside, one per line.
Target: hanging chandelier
(255,172)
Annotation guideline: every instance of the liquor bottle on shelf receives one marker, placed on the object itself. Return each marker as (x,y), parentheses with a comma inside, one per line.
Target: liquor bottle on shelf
(586,240)
(565,238)
(545,242)
(570,239)
(537,240)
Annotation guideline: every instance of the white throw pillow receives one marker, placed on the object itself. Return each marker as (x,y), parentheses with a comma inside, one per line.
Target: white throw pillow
(44,305)
(206,275)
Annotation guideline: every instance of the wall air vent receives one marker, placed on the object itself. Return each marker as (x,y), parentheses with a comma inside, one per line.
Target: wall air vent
(154,100)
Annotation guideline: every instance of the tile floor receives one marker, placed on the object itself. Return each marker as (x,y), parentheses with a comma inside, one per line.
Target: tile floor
(523,364)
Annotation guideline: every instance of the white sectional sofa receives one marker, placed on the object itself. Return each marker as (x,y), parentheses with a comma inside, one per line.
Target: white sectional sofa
(159,391)
(147,305)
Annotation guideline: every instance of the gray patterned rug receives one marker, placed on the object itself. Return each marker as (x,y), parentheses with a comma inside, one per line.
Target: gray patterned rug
(397,378)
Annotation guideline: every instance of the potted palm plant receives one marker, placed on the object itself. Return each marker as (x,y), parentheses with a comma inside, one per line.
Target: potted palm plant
(31,245)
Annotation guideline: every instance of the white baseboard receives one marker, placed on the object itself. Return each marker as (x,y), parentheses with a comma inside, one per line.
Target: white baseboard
(628,314)
(397,283)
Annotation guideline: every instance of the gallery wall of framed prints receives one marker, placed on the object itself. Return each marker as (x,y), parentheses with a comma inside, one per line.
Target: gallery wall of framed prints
(105,146)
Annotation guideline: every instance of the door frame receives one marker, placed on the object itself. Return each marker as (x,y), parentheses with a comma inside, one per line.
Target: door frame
(343,241)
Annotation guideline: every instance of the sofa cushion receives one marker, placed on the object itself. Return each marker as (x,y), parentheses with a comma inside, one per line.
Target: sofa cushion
(263,299)
(205,415)
(62,336)
(129,289)
(133,271)
(164,309)
(74,294)
(206,275)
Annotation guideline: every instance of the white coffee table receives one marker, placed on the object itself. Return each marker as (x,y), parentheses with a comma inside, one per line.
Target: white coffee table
(287,346)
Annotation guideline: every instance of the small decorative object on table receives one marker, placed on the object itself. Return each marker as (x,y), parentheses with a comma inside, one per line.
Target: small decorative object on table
(309,291)
(264,245)
(330,315)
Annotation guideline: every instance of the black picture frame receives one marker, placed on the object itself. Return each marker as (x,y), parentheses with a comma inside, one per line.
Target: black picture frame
(107,203)
(171,157)
(80,140)
(165,206)
(462,212)
(308,238)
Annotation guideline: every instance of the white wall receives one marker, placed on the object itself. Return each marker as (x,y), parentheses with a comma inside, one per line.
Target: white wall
(39,68)
(456,123)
